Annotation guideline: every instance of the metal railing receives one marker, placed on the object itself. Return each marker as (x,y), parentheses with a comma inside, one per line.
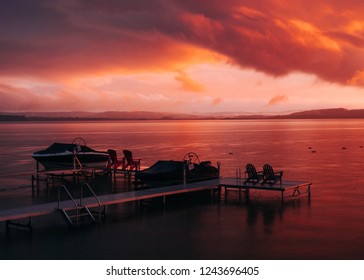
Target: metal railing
(73,200)
(93,194)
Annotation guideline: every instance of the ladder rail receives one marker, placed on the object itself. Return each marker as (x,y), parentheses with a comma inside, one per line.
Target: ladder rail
(77,207)
(85,184)
(68,193)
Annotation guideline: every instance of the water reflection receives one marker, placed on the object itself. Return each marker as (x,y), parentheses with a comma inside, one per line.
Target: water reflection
(264,212)
(331,226)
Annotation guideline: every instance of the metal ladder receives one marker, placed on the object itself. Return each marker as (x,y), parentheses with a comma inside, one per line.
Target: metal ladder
(80,213)
(99,213)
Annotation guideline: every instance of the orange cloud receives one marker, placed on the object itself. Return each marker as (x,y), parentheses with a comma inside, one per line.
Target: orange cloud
(357,79)
(277,99)
(64,40)
(307,34)
(188,84)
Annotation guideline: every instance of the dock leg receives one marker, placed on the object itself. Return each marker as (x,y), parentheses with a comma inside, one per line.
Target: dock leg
(35,179)
(105,211)
(219,193)
(33,185)
(309,191)
(213,190)
(38,184)
(53,182)
(47,183)
(247,194)
(27,226)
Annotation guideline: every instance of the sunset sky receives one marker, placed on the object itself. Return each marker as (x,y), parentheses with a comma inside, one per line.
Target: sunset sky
(267,56)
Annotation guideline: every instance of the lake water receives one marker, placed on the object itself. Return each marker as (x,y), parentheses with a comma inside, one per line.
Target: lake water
(330,225)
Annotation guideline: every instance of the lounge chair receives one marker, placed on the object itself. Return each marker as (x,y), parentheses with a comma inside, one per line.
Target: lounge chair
(251,174)
(113,162)
(271,177)
(129,163)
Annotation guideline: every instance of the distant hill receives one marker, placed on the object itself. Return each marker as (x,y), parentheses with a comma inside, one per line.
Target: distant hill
(12,118)
(339,113)
(77,116)
(141,115)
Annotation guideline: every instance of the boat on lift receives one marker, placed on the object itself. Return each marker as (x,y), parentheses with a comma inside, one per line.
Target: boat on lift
(190,169)
(70,156)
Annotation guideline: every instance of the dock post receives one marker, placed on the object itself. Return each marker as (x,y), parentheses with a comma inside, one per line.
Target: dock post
(219,192)
(105,211)
(27,226)
(35,179)
(184,172)
(247,194)
(47,181)
(33,185)
(309,191)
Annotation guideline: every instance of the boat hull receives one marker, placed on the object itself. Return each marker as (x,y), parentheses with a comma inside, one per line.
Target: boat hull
(69,156)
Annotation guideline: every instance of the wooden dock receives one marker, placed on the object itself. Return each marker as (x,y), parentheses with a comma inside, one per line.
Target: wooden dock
(296,188)
(105,200)
(49,176)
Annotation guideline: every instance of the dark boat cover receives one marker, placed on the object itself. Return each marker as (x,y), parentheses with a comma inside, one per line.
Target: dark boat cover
(57,148)
(173,171)
(62,156)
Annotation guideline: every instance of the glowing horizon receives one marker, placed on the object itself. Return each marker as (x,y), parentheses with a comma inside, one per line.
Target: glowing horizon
(181,56)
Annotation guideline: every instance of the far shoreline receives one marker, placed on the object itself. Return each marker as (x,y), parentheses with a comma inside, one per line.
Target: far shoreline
(334,113)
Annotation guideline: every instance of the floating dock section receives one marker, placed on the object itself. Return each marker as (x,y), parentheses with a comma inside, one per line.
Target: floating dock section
(293,188)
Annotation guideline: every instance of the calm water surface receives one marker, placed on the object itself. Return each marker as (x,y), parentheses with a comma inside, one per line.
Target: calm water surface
(329,153)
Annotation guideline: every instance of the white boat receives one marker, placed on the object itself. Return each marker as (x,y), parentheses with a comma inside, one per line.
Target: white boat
(70,156)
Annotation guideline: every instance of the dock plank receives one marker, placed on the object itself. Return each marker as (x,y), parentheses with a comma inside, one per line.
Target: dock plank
(294,186)
(109,199)
(48,208)
(286,184)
